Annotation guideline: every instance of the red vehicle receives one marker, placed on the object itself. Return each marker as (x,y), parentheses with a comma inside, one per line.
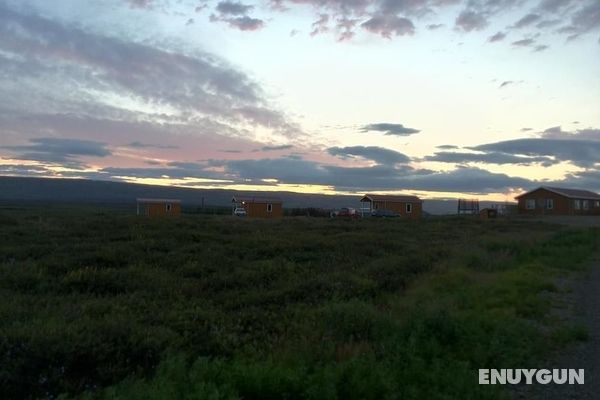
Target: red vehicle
(346,212)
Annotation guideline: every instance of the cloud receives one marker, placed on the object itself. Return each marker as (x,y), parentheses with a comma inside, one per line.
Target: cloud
(389,25)
(24,170)
(468,21)
(589,179)
(391,18)
(553,6)
(498,36)
(556,132)
(523,42)
(285,169)
(113,130)
(585,20)
(527,20)
(170,170)
(263,116)
(489,158)
(547,23)
(233,8)
(126,65)
(337,7)
(235,14)
(380,155)
(465,180)
(297,171)
(462,179)
(378,177)
(55,68)
(345,26)
(140,3)
(390,129)
(200,7)
(59,151)
(581,148)
(320,25)
(140,145)
(276,148)
(509,83)
(244,23)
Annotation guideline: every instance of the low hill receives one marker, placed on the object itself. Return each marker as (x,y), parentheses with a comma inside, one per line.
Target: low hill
(45,190)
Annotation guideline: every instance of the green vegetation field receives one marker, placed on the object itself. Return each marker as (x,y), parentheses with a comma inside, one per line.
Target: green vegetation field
(98,304)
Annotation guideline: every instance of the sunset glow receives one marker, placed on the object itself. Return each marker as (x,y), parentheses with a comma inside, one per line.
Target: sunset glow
(442,99)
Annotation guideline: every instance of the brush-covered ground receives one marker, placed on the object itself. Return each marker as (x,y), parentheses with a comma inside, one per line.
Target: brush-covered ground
(98,304)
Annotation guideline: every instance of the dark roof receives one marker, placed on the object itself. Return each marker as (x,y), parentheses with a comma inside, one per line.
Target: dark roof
(256,199)
(570,193)
(158,200)
(391,198)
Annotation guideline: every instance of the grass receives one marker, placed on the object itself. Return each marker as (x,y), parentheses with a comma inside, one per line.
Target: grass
(98,304)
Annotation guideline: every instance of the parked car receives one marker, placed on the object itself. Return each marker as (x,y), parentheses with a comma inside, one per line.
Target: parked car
(346,212)
(240,212)
(384,214)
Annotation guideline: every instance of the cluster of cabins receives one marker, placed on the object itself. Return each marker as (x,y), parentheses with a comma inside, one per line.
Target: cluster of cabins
(540,201)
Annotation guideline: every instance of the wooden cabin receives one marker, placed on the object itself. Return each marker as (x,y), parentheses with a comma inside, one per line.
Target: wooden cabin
(259,206)
(158,207)
(405,206)
(557,201)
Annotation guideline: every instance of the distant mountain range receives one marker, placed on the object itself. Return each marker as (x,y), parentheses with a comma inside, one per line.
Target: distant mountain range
(45,190)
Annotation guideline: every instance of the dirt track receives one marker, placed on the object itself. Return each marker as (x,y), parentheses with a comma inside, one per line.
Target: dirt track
(582,306)
(580,221)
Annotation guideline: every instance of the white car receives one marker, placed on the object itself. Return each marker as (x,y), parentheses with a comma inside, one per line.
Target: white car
(240,212)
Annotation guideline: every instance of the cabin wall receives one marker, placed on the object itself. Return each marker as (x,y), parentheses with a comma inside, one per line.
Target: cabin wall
(259,210)
(562,205)
(400,208)
(159,209)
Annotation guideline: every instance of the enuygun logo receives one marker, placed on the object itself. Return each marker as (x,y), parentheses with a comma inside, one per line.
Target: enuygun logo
(531,376)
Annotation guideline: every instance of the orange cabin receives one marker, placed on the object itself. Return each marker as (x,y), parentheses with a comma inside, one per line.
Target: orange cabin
(158,207)
(258,206)
(558,201)
(405,206)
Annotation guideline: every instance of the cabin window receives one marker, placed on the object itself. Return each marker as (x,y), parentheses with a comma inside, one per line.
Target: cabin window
(530,204)
(168,207)
(408,208)
(577,204)
(597,203)
(541,203)
(549,204)
(375,206)
(269,207)
(586,205)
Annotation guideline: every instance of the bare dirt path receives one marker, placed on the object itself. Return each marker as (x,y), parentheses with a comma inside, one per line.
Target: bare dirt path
(582,306)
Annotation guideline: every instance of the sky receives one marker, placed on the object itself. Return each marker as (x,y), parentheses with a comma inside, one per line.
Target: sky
(438,98)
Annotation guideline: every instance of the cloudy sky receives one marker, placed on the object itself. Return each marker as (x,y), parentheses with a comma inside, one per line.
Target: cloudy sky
(440,98)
